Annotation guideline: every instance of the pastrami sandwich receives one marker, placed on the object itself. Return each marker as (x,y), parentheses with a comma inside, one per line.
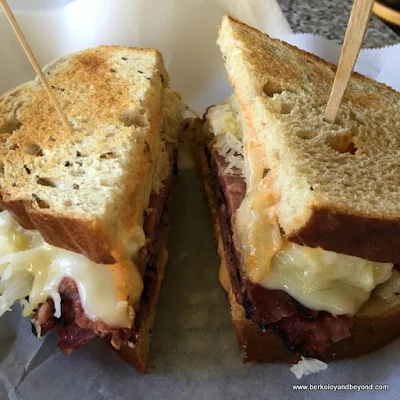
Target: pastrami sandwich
(306,213)
(84,220)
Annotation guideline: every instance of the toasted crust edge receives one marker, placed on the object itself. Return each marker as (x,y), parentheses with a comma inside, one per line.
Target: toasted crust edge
(368,238)
(312,56)
(368,333)
(137,355)
(85,237)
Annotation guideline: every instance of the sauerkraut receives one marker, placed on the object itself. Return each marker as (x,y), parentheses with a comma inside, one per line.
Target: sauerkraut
(224,123)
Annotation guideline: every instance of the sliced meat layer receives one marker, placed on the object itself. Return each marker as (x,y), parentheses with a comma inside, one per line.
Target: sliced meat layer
(222,180)
(301,329)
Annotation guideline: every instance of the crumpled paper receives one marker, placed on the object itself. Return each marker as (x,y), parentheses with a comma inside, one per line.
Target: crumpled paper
(194,352)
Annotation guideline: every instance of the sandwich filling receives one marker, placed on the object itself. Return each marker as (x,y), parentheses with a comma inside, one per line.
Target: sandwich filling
(31,268)
(67,291)
(307,294)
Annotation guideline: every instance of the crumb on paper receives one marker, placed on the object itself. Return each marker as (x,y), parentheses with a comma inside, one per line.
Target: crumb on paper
(181,257)
(308,366)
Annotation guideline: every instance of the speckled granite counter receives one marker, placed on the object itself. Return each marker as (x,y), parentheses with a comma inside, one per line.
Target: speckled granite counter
(329,18)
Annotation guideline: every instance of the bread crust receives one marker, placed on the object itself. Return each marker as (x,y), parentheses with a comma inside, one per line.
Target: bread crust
(369,238)
(313,57)
(67,232)
(18,210)
(369,332)
(136,353)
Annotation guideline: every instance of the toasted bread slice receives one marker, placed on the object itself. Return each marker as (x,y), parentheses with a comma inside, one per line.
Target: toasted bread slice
(85,192)
(376,325)
(337,184)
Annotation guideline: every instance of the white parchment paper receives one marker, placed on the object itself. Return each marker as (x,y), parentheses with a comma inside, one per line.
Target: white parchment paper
(194,353)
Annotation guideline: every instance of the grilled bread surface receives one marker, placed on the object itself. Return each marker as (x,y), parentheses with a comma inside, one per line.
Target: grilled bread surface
(337,184)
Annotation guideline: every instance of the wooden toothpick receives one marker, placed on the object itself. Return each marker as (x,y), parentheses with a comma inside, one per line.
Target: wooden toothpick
(355,32)
(32,59)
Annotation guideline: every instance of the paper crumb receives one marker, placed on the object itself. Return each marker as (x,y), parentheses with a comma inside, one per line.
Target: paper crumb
(308,366)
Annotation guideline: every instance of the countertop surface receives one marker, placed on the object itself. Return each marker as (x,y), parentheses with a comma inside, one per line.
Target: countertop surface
(329,18)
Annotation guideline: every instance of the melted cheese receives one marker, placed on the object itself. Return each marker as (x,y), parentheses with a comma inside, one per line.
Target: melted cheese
(31,267)
(390,290)
(385,298)
(323,280)
(253,220)
(318,279)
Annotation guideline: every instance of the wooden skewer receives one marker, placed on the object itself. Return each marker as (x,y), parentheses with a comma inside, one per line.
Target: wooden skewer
(32,59)
(385,12)
(355,32)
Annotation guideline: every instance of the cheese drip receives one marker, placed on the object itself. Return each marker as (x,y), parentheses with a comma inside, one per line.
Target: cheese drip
(31,267)
(318,279)
(323,280)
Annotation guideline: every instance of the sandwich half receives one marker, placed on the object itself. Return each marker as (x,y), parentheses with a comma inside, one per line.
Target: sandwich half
(85,217)
(306,213)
